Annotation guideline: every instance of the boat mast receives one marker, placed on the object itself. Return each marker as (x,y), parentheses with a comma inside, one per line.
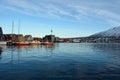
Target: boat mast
(12,27)
(12,30)
(18,26)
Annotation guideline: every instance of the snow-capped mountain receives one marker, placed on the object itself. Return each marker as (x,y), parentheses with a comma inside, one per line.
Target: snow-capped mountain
(114,32)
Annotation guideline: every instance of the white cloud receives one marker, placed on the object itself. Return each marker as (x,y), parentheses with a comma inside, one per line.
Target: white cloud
(114,23)
(106,15)
(70,8)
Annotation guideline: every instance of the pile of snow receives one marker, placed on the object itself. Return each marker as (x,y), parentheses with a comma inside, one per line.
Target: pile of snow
(114,32)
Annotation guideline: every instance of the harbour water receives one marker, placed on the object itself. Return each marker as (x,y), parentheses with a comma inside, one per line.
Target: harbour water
(63,61)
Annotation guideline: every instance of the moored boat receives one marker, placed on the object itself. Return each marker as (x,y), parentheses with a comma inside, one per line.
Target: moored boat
(10,43)
(21,44)
(35,43)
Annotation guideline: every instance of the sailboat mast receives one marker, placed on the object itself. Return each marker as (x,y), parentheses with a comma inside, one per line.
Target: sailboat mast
(18,26)
(12,26)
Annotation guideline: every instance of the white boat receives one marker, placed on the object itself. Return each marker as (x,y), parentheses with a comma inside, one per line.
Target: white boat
(76,40)
(3,42)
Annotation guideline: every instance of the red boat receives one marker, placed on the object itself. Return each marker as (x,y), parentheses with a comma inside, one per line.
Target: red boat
(21,43)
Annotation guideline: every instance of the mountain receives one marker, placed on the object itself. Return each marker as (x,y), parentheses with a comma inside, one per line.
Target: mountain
(114,32)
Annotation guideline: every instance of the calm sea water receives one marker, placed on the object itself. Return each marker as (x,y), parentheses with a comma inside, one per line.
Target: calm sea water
(63,61)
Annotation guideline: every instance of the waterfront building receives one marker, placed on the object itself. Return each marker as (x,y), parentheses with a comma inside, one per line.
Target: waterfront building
(57,39)
(49,38)
(20,38)
(65,39)
(28,38)
(10,37)
(37,39)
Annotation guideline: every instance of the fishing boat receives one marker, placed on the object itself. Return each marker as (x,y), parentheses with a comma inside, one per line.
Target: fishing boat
(21,44)
(35,43)
(10,43)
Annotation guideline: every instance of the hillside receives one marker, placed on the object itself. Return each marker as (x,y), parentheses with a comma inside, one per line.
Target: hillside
(114,32)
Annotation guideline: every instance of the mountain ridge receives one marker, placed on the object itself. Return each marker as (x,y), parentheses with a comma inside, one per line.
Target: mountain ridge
(113,32)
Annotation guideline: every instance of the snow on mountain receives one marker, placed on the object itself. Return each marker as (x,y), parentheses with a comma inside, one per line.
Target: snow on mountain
(114,32)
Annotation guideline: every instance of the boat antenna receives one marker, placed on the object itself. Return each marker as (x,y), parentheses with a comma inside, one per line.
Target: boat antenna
(51,31)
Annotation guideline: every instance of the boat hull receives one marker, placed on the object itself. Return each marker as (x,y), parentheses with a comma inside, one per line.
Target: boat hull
(35,43)
(21,44)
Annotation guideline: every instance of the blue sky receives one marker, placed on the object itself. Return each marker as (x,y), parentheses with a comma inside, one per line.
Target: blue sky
(67,18)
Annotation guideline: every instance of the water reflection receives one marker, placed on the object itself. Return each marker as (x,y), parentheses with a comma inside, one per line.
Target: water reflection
(111,50)
(0,52)
(72,61)
(22,53)
(49,47)
(105,46)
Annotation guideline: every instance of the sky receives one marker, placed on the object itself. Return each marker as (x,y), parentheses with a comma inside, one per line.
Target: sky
(67,18)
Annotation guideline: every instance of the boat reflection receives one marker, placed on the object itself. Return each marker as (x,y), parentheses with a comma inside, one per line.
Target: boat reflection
(0,52)
(21,53)
(49,46)
(49,49)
